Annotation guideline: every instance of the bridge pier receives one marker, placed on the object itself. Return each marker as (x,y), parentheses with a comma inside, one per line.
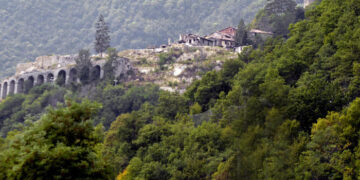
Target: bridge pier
(15,88)
(20,86)
(5,90)
(50,78)
(102,73)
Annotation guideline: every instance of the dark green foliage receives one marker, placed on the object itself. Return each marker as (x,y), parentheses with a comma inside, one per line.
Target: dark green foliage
(163,150)
(166,58)
(108,67)
(169,105)
(333,150)
(28,84)
(277,15)
(15,109)
(61,145)
(117,100)
(84,74)
(61,79)
(83,58)
(241,36)
(119,146)
(207,90)
(83,66)
(313,98)
(102,37)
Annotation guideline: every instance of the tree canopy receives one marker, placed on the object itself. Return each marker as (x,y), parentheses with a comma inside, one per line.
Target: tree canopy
(61,145)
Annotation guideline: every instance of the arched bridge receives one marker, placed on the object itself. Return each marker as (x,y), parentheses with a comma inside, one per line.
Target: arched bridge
(62,76)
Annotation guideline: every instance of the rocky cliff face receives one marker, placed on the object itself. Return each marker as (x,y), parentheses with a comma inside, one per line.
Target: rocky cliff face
(175,67)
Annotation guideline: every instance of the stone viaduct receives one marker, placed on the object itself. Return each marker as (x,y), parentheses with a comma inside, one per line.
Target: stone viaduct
(53,69)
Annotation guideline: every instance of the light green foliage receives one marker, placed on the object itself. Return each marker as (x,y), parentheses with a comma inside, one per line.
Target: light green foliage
(119,146)
(195,109)
(334,147)
(60,145)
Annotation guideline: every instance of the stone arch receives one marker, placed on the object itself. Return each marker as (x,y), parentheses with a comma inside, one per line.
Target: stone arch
(12,87)
(73,75)
(40,79)
(84,74)
(5,87)
(96,73)
(50,78)
(0,91)
(20,85)
(29,83)
(61,78)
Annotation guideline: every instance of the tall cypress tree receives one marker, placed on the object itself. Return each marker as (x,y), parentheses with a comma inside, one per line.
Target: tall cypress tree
(241,38)
(102,37)
(83,65)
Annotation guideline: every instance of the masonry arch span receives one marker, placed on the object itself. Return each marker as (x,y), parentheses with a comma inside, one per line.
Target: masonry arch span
(73,75)
(20,85)
(95,73)
(40,79)
(29,83)
(12,87)
(61,78)
(5,87)
(50,78)
(84,75)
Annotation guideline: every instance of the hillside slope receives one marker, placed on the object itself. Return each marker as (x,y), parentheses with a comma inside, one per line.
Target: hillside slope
(37,27)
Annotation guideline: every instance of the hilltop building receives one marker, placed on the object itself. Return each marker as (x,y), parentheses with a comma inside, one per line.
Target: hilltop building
(224,38)
(195,40)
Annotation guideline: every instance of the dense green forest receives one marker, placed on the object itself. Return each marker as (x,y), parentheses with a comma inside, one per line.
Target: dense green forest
(289,109)
(33,28)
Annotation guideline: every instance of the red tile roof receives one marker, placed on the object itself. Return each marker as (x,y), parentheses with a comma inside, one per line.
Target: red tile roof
(228,31)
